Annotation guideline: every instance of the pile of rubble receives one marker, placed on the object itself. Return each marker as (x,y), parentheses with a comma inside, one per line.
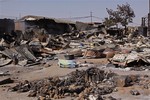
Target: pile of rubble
(81,84)
(35,44)
(39,45)
(31,46)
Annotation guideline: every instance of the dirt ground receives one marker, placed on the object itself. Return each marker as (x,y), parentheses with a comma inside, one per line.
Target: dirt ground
(19,73)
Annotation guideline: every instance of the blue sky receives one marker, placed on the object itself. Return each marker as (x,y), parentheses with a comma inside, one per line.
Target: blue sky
(69,8)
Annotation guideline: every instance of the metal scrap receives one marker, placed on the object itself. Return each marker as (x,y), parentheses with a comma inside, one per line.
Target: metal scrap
(74,84)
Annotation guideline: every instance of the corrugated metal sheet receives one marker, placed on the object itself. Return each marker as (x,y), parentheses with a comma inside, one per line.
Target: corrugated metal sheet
(32,17)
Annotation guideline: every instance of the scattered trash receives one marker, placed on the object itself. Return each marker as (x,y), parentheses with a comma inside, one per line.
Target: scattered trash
(67,61)
(66,42)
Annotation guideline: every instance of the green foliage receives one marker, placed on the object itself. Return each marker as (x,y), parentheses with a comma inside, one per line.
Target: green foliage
(109,22)
(123,15)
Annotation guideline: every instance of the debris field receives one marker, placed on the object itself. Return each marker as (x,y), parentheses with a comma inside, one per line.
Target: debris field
(93,56)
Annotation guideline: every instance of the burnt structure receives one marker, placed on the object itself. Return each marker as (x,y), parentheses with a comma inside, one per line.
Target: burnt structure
(148,24)
(6,25)
(149,20)
(51,25)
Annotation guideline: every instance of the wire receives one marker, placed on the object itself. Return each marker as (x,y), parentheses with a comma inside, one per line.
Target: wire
(84,17)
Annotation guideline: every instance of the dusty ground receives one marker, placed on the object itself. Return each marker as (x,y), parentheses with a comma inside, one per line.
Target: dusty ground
(19,73)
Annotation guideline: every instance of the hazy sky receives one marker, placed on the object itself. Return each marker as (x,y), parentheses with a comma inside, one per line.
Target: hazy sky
(69,8)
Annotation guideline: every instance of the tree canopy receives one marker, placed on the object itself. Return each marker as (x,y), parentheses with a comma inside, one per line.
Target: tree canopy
(124,15)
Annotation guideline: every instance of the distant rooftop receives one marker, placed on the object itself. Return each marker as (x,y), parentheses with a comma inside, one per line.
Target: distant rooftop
(57,20)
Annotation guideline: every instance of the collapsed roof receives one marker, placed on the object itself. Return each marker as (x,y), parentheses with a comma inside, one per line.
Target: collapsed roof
(57,20)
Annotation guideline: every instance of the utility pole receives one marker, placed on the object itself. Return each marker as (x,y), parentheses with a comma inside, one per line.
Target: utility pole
(91,16)
(19,15)
(149,20)
(143,22)
(149,6)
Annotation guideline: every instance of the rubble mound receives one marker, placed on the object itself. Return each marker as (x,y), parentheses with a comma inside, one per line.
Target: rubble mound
(80,83)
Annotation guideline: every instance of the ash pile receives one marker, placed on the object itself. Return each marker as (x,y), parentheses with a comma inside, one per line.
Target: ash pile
(80,84)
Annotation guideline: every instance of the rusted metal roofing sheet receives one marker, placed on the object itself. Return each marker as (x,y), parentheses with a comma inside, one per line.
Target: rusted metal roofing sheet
(57,20)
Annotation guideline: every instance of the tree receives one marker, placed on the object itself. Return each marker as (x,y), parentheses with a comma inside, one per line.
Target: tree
(123,15)
(109,22)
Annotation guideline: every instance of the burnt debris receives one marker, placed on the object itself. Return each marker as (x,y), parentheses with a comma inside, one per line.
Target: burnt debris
(76,84)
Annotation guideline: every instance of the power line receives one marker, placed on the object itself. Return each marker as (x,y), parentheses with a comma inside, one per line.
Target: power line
(84,17)
(76,17)
(97,17)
